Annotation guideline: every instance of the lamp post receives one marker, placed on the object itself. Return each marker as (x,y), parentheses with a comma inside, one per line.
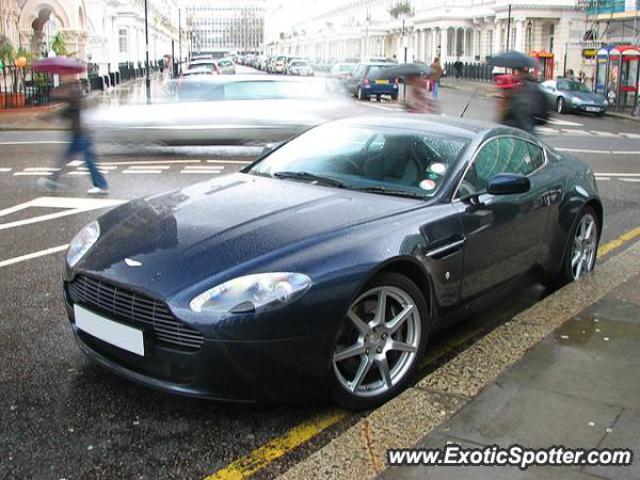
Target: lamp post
(508,29)
(146,48)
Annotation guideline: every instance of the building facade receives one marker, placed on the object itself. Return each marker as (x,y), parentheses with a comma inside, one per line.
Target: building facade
(117,31)
(229,25)
(471,30)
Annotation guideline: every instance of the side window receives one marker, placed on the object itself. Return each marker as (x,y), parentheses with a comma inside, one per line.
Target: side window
(501,155)
(537,156)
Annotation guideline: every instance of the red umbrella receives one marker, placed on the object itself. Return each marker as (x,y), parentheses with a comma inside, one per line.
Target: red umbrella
(59,65)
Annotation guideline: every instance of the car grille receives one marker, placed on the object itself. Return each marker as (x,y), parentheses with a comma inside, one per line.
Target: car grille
(137,309)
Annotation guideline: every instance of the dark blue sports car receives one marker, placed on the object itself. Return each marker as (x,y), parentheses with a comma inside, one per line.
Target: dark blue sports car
(324,267)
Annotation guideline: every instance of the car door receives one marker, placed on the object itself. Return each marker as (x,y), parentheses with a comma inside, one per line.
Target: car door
(504,234)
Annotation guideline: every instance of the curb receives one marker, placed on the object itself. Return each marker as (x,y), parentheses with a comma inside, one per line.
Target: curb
(360,452)
(623,116)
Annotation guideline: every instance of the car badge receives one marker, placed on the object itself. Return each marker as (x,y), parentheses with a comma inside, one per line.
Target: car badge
(132,263)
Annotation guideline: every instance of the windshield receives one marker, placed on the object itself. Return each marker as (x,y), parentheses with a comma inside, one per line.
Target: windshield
(299,64)
(573,86)
(402,162)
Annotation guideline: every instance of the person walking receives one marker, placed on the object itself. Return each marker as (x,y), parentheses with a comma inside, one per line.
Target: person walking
(436,73)
(525,106)
(71,94)
(457,67)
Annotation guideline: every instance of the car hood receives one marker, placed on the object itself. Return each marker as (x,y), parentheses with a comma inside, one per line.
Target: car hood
(175,240)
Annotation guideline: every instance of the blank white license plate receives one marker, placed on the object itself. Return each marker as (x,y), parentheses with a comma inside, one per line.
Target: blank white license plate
(593,109)
(122,336)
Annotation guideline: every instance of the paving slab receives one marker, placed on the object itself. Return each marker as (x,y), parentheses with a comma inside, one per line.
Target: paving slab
(518,414)
(623,435)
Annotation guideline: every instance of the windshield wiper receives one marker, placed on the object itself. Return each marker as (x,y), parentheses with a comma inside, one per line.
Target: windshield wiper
(312,177)
(389,191)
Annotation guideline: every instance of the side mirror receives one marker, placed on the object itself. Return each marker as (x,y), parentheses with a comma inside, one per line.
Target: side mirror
(508,184)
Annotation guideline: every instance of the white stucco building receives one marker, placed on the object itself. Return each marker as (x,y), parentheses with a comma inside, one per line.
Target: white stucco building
(469,29)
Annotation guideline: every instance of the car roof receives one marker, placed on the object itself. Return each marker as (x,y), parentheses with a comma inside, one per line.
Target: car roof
(258,78)
(456,126)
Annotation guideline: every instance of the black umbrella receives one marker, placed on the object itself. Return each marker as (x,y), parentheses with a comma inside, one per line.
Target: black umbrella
(513,59)
(402,70)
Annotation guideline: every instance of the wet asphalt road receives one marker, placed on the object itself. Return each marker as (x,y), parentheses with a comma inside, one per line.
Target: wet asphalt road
(61,417)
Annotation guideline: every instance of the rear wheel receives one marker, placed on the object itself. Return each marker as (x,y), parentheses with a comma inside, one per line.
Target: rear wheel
(379,343)
(360,95)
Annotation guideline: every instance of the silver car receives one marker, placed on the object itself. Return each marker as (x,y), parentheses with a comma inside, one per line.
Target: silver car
(224,110)
(570,95)
(226,66)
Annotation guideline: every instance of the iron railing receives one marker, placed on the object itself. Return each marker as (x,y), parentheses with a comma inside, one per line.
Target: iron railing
(22,87)
(477,71)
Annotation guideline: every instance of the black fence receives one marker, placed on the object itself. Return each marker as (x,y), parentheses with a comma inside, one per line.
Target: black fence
(98,79)
(22,87)
(478,71)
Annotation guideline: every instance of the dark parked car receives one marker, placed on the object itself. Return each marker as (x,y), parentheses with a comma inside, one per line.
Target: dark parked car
(325,266)
(570,95)
(363,87)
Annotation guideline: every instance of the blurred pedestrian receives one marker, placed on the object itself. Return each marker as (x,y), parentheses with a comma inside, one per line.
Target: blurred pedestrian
(569,75)
(457,68)
(524,105)
(70,93)
(417,99)
(582,77)
(436,73)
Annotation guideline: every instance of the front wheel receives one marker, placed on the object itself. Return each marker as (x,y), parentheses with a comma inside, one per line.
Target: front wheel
(580,258)
(561,105)
(379,343)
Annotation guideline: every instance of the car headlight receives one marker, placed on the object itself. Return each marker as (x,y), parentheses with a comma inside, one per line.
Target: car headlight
(577,101)
(252,292)
(82,242)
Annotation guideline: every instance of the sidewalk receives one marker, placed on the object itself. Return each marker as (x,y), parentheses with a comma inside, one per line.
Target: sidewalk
(579,387)
(566,371)
(45,118)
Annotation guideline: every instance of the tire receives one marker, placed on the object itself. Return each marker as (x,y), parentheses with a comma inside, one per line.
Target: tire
(378,98)
(359,94)
(560,105)
(568,270)
(394,97)
(359,345)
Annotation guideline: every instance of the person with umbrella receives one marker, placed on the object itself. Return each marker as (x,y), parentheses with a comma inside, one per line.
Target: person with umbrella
(524,104)
(71,94)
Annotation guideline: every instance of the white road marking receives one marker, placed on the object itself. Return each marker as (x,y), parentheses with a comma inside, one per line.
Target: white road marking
(41,169)
(150,167)
(150,162)
(557,121)
(631,135)
(619,174)
(204,167)
(29,256)
(602,178)
(546,130)
(212,172)
(39,142)
(80,173)
(241,162)
(573,131)
(601,133)
(71,206)
(142,171)
(379,107)
(5,169)
(75,163)
(584,150)
(625,152)
(630,179)
(32,174)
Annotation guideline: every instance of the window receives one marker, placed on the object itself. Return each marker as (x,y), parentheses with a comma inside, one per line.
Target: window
(123,40)
(501,155)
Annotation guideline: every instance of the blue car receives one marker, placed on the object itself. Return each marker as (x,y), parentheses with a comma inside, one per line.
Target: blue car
(325,267)
(362,86)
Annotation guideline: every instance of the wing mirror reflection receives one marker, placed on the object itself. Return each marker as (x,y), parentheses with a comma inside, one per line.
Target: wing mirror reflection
(508,184)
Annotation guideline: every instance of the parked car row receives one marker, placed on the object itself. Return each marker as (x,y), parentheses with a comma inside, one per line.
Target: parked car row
(207,65)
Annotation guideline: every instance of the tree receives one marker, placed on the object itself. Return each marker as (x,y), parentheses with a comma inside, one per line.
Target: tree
(59,45)
(402,7)
(6,50)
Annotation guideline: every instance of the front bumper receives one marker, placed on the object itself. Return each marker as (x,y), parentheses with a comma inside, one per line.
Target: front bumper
(590,108)
(284,370)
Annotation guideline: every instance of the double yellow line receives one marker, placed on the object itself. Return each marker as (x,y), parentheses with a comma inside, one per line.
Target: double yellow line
(246,466)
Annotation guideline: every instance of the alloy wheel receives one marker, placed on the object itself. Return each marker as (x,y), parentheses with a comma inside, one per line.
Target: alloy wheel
(561,105)
(379,343)
(585,242)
